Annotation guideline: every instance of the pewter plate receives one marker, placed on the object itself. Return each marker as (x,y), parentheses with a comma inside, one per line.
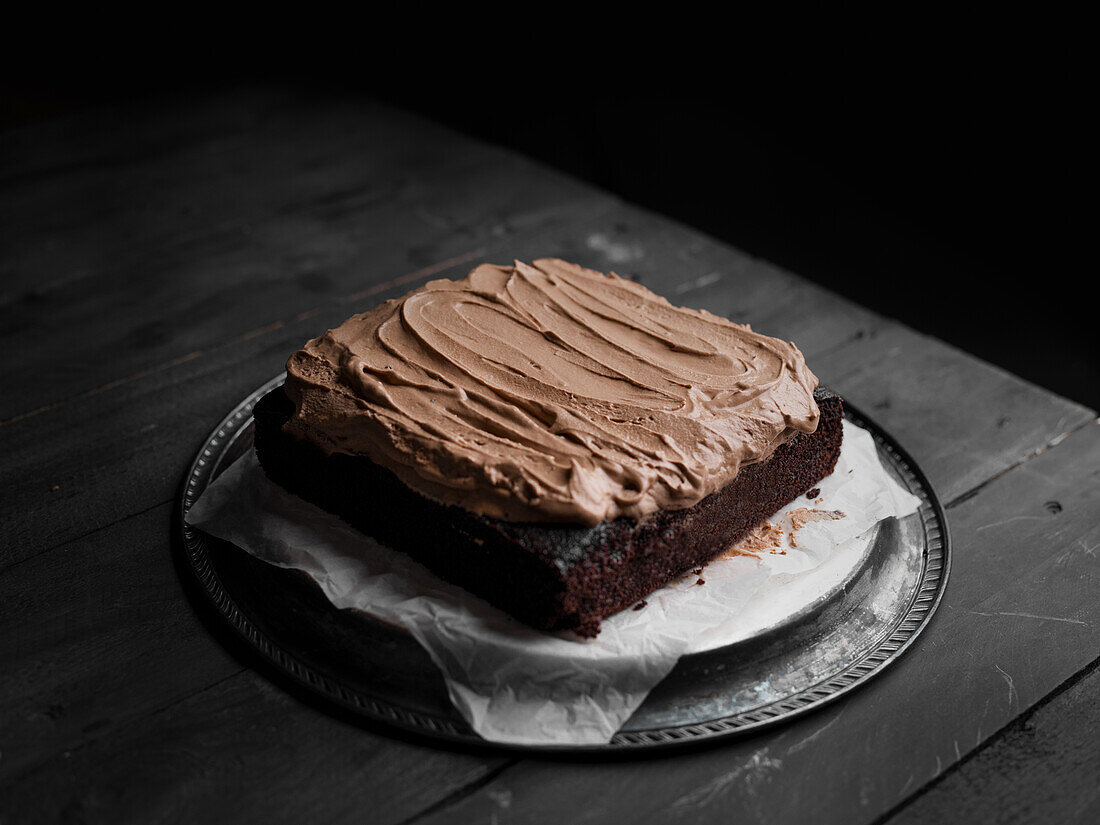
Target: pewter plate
(378,672)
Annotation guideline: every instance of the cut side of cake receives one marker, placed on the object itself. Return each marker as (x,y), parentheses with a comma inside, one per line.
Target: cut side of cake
(557,441)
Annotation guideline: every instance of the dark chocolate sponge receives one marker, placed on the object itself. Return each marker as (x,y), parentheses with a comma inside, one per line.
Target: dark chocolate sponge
(551,576)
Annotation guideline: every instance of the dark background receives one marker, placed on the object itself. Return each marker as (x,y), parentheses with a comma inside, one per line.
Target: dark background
(952,195)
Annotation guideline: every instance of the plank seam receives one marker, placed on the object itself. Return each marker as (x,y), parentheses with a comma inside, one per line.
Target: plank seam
(1015,725)
(962,498)
(82,536)
(465,791)
(89,740)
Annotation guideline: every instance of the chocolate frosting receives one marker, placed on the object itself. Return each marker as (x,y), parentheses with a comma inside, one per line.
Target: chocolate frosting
(552,393)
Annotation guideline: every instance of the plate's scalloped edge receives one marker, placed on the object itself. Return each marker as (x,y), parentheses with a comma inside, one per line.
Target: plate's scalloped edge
(891,646)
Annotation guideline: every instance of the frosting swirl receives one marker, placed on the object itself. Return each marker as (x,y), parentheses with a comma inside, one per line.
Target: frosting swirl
(549,392)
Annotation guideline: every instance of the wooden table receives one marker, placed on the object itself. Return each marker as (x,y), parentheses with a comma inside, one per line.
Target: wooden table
(159,263)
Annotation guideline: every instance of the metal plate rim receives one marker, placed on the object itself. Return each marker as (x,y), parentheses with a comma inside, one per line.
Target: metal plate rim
(906,628)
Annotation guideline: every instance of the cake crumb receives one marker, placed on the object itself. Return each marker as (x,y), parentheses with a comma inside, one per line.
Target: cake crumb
(640,605)
(700,581)
(814,493)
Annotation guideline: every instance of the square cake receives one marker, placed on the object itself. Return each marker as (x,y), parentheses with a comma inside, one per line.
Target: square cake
(558,441)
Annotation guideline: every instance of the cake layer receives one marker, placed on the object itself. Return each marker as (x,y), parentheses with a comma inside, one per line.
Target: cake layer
(550,576)
(547,392)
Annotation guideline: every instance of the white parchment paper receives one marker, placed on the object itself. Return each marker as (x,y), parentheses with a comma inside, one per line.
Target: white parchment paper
(517,685)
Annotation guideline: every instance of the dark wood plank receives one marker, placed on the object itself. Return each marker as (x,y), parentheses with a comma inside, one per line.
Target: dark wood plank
(1018,619)
(965,421)
(241,751)
(1045,767)
(116,135)
(85,466)
(93,634)
(188,249)
(229,235)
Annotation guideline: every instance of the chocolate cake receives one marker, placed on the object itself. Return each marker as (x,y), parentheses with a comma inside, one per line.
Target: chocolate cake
(555,440)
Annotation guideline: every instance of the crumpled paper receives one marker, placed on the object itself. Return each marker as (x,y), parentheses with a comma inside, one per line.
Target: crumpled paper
(517,685)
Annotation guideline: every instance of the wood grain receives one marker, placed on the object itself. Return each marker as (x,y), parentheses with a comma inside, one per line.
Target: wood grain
(964,420)
(238,233)
(243,750)
(1045,767)
(159,263)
